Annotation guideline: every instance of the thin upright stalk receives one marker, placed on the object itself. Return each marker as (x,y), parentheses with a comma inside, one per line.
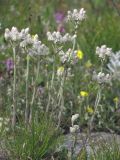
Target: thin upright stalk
(31,108)
(73,146)
(34,92)
(51,86)
(75,31)
(97,101)
(14,92)
(61,101)
(26,94)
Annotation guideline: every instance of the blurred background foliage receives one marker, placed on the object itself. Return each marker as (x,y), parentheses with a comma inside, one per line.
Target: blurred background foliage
(101,26)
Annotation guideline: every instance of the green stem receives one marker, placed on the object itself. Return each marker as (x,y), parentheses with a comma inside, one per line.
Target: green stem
(34,91)
(61,101)
(95,108)
(33,135)
(51,86)
(14,91)
(27,77)
(73,146)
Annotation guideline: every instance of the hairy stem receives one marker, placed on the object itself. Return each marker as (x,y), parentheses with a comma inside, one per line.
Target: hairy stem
(95,110)
(60,102)
(26,94)
(73,146)
(51,86)
(34,92)
(14,92)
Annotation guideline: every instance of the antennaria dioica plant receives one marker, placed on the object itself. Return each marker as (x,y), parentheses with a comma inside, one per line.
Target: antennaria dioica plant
(45,82)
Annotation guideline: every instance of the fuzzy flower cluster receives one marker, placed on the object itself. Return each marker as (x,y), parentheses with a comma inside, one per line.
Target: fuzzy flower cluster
(74,127)
(38,48)
(70,56)
(15,35)
(56,37)
(66,56)
(103,51)
(114,65)
(102,77)
(27,41)
(76,15)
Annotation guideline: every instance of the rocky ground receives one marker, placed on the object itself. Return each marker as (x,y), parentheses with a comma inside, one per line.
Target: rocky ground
(3,155)
(82,140)
(94,140)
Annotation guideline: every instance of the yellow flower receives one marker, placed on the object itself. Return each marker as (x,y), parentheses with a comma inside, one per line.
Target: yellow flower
(60,71)
(89,110)
(61,68)
(79,54)
(116,99)
(88,64)
(84,94)
(34,37)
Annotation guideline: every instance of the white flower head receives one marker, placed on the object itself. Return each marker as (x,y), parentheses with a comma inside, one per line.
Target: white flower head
(103,51)
(39,50)
(26,41)
(24,33)
(7,34)
(114,65)
(74,129)
(74,118)
(68,57)
(102,77)
(76,15)
(15,35)
(31,44)
(56,37)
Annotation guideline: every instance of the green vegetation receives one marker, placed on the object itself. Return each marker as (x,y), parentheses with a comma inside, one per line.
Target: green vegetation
(59,74)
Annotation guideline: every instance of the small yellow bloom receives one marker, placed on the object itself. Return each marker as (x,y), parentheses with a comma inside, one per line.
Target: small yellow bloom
(60,71)
(34,37)
(61,68)
(84,94)
(79,54)
(116,99)
(88,64)
(90,110)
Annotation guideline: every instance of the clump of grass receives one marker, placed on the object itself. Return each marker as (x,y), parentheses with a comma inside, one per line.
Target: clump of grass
(108,150)
(36,142)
